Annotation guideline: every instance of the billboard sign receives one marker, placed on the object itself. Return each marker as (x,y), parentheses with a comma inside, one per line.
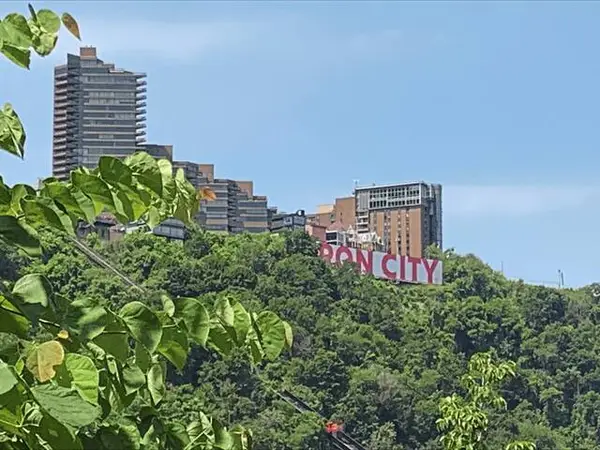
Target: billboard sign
(401,268)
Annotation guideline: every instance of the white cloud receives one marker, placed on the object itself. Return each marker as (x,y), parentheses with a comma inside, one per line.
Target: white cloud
(502,201)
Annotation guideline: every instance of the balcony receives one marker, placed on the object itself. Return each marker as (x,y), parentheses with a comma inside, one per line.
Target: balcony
(140,125)
(140,105)
(140,112)
(139,98)
(140,90)
(140,132)
(141,82)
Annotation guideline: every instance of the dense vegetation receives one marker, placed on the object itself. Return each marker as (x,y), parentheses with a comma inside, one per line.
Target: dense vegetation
(377,356)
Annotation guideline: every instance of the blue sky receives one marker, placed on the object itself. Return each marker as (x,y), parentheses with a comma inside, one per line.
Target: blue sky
(496,101)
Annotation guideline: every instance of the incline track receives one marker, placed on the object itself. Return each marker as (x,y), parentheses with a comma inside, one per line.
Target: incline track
(341,442)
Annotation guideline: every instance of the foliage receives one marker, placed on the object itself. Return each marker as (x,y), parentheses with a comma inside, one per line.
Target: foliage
(464,419)
(70,368)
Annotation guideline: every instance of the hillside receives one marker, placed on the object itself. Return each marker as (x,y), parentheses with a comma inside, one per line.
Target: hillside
(375,355)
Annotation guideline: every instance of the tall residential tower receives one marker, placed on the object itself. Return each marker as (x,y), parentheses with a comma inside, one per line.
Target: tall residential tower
(98,110)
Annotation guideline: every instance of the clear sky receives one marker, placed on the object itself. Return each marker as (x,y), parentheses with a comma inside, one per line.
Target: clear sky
(498,101)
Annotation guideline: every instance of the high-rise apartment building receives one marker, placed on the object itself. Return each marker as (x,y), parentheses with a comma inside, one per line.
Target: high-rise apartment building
(98,110)
(402,218)
(235,208)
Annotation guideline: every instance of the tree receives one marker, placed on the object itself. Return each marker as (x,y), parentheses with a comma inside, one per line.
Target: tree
(464,419)
(69,367)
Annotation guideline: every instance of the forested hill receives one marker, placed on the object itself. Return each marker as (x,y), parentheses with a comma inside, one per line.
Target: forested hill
(377,356)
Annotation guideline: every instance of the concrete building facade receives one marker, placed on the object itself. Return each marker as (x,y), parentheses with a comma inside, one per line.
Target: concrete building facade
(235,208)
(98,110)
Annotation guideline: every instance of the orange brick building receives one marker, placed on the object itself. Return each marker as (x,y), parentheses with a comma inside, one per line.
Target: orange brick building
(406,217)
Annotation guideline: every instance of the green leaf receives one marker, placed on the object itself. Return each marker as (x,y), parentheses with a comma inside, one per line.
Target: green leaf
(82,375)
(195,318)
(12,134)
(241,322)
(34,294)
(272,333)
(18,192)
(15,31)
(114,340)
(224,311)
(143,324)
(168,305)
(220,339)
(71,24)
(43,358)
(56,435)
(39,214)
(48,21)
(95,188)
(12,320)
(19,56)
(142,358)
(156,383)
(146,170)
(7,378)
(85,321)
(289,335)
(122,436)
(17,233)
(44,43)
(65,405)
(223,439)
(61,194)
(114,171)
(173,343)
(133,378)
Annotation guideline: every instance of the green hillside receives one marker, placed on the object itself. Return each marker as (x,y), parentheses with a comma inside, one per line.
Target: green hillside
(377,356)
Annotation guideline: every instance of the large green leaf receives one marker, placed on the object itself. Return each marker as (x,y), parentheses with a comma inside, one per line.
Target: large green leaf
(195,318)
(241,322)
(289,335)
(85,320)
(220,339)
(12,134)
(15,232)
(34,295)
(63,196)
(224,311)
(44,358)
(12,320)
(48,21)
(80,373)
(272,334)
(56,435)
(17,55)
(95,188)
(15,31)
(114,171)
(173,343)
(133,377)
(7,378)
(146,170)
(156,383)
(122,436)
(223,439)
(114,339)
(65,405)
(143,324)
(18,192)
(38,214)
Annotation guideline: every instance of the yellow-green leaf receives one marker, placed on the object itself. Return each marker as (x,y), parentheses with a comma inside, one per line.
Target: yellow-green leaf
(43,358)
